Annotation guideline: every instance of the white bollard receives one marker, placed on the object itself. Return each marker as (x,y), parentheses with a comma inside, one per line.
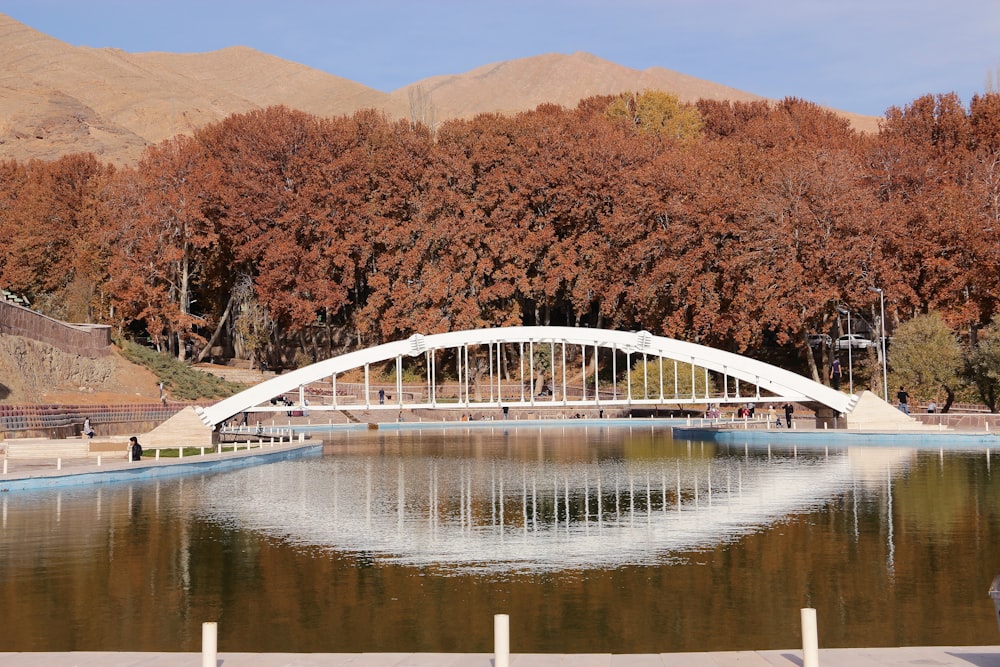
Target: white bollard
(157,454)
(501,640)
(5,466)
(59,463)
(209,644)
(98,460)
(202,451)
(180,452)
(302,437)
(810,638)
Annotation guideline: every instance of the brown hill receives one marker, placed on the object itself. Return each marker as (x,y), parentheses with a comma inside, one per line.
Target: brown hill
(56,98)
(516,85)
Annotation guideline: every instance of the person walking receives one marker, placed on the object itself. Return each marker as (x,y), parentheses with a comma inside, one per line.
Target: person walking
(836,374)
(904,400)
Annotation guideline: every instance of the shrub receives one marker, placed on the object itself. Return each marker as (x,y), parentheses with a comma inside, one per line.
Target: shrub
(183,381)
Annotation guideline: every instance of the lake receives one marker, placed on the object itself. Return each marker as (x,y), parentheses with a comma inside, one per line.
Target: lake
(592,538)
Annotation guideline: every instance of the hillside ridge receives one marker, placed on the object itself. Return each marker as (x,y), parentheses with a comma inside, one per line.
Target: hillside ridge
(56,98)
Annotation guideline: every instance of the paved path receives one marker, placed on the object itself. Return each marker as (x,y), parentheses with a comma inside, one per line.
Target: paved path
(116,460)
(964,656)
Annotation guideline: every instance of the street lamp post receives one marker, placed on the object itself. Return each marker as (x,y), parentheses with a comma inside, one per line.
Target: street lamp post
(881,326)
(850,349)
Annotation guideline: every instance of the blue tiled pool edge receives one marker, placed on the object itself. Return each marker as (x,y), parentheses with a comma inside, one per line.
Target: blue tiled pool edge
(147,470)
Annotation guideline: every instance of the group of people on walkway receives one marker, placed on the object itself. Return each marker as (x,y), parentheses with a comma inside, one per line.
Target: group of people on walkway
(773,418)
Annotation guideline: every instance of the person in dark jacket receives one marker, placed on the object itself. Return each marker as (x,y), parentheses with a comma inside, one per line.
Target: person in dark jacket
(134,449)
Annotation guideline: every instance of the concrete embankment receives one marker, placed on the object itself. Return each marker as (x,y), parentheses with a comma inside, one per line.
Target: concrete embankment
(28,474)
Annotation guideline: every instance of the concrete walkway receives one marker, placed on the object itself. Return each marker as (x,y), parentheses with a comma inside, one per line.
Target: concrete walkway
(39,473)
(964,656)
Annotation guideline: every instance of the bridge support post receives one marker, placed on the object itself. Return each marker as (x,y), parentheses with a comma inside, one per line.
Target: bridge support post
(826,418)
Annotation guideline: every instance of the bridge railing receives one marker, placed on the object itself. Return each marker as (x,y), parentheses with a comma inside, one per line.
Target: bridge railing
(522,366)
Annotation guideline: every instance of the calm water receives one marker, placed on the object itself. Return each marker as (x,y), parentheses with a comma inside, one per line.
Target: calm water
(592,539)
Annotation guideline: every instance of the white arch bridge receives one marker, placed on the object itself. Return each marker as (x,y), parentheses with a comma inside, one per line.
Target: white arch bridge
(537,367)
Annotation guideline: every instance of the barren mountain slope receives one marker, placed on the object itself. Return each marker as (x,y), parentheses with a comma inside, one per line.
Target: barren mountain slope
(266,80)
(56,98)
(517,85)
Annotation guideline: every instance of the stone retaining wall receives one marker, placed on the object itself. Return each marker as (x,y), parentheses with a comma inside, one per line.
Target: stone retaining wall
(87,340)
(64,421)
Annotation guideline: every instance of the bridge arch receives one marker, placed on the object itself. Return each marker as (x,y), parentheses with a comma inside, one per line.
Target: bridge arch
(738,379)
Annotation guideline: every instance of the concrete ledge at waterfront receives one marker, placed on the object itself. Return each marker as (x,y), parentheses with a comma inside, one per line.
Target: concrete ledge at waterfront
(119,470)
(942,656)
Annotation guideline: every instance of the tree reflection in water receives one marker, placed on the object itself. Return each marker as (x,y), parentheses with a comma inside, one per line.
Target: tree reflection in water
(594,540)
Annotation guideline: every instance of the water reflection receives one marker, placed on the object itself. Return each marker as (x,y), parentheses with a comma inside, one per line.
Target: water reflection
(592,540)
(514,507)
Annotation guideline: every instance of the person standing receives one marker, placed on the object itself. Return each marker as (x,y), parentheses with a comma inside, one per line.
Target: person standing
(789,409)
(134,449)
(381,396)
(904,400)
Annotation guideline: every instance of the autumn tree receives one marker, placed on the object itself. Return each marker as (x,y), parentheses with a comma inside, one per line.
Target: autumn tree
(291,214)
(657,113)
(52,243)
(166,253)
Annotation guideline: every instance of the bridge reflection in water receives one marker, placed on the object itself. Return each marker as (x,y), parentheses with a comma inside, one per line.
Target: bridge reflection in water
(411,541)
(479,503)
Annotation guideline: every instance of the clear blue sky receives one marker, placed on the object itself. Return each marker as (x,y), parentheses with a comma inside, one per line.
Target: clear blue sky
(855,55)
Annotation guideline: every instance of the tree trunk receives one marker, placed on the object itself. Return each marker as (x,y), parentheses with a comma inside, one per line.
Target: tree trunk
(810,359)
(205,351)
(950,398)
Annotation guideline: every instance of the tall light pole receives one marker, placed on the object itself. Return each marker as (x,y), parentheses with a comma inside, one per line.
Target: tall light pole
(881,326)
(850,348)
